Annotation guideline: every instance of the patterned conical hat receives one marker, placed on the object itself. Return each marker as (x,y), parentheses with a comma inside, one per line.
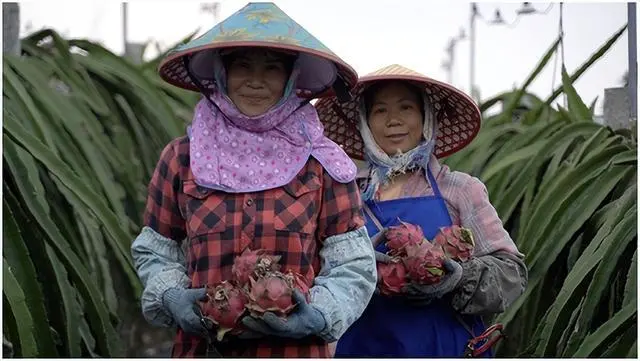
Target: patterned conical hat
(258,25)
(457,115)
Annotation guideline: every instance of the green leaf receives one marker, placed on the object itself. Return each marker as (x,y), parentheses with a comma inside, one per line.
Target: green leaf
(579,111)
(587,198)
(17,257)
(75,184)
(598,259)
(517,156)
(610,329)
(16,300)
(631,286)
(71,311)
(515,99)
(533,115)
(96,309)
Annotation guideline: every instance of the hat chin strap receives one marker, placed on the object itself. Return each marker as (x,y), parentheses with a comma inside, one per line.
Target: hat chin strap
(341,89)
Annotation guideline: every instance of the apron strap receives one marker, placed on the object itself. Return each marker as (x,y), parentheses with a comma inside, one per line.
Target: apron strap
(374,219)
(433,183)
(375,240)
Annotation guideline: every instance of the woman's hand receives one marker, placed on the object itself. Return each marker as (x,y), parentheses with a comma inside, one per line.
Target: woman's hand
(182,304)
(306,320)
(423,294)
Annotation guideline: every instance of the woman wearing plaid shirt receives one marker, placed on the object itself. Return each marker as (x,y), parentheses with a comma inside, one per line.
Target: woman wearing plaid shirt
(402,122)
(255,171)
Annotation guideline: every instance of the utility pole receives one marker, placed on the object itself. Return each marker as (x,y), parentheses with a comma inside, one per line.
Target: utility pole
(472,49)
(125,17)
(632,82)
(449,64)
(11,28)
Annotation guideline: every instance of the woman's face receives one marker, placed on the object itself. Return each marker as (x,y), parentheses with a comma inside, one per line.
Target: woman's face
(395,118)
(255,80)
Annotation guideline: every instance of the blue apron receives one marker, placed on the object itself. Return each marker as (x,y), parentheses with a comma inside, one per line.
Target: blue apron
(390,326)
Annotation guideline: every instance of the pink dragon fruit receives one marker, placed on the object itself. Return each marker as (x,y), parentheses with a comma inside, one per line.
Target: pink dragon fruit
(224,307)
(424,263)
(457,242)
(253,264)
(270,293)
(401,236)
(392,277)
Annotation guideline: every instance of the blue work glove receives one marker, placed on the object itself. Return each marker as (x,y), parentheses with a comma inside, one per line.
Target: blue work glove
(182,304)
(423,294)
(306,320)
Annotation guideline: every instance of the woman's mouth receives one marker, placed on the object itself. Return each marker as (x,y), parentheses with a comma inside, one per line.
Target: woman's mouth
(254,98)
(396,137)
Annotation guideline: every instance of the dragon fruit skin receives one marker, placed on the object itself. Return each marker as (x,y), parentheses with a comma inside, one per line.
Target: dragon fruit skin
(403,235)
(424,263)
(270,293)
(392,277)
(224,307)
(457,242)
(253,263)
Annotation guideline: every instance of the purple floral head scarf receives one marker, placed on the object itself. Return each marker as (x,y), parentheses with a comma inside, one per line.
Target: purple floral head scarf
(236,153)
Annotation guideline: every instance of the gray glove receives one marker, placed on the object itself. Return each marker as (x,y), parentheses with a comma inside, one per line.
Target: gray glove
(423,294)
(306,320)
(382,258)
(181,303)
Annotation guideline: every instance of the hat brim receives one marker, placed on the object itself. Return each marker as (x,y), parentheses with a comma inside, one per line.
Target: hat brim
(317,74)
(458,117)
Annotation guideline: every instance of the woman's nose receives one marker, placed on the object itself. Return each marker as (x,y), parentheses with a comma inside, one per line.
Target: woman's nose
(393,120)
(255,79)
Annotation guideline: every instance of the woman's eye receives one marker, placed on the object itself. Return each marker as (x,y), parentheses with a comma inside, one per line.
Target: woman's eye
(379,110)
(406,106)
(274,67)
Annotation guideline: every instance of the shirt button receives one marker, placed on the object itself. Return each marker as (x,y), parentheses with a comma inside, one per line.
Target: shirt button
(249,202)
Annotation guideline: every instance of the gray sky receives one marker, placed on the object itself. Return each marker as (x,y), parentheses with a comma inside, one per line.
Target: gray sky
(375,33)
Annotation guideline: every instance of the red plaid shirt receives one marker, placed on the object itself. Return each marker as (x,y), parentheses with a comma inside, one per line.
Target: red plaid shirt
(292,221)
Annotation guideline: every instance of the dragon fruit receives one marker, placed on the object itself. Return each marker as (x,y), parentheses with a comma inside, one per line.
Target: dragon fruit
(401,236)
(253,263)
(224,307)
(296,280)
(270,293)
(392,277)
(424,263)
(457,242)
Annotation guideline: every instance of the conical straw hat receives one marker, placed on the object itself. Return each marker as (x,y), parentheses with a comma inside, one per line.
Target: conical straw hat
(457,115)
(258,25)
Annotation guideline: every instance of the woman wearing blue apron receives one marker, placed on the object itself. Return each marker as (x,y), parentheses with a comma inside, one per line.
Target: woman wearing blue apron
(400,122)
